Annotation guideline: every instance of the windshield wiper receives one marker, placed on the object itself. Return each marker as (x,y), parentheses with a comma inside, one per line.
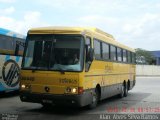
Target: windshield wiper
(62,71)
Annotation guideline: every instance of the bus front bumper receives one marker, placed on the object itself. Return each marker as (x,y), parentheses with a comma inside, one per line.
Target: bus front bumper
(71,100)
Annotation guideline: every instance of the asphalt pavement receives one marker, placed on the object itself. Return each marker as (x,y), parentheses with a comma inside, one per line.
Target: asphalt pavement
(143,101)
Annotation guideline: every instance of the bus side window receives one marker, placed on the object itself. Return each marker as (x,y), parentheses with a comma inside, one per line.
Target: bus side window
(133,58)
(113,53)
(6,46)
(124,55)
(119,54)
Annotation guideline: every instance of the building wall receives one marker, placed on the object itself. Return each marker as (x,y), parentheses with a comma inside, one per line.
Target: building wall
(156,54)
(157,61)
(147,70)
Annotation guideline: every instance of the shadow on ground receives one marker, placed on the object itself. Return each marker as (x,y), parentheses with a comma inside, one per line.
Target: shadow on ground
(9,94)
(130,100)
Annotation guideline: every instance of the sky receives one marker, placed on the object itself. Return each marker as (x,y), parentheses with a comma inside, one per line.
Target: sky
(135,23)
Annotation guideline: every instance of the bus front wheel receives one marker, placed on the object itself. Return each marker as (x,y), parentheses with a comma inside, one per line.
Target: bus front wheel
(95,99)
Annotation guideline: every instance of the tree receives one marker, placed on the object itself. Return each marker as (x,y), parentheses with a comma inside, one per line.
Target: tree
(144,57)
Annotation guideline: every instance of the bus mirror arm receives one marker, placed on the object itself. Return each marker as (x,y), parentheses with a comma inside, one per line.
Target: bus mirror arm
(18,44)
(90,54)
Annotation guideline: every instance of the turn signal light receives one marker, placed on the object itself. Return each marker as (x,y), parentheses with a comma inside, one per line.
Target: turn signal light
(80,90)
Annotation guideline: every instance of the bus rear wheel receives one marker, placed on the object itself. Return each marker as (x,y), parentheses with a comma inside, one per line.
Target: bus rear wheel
(95,99)
(125,90)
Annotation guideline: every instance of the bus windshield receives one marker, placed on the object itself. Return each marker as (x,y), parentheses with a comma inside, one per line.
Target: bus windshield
(54,52)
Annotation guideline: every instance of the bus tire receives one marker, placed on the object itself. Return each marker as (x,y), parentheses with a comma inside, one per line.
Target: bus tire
(95,99)
(125,90)
(121,95)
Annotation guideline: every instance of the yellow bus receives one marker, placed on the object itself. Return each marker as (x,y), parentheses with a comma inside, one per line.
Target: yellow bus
(74,66)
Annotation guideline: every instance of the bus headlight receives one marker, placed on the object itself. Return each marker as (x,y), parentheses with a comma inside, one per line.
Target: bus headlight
(71,90)
(23,86)
(74,90)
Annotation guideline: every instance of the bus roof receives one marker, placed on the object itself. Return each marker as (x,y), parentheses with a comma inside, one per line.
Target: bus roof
(95,32)
(11,33)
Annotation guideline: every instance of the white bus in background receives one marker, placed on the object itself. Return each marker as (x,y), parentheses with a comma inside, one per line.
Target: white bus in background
(11,50)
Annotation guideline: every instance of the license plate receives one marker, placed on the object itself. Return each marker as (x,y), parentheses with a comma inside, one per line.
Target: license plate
(47,101)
